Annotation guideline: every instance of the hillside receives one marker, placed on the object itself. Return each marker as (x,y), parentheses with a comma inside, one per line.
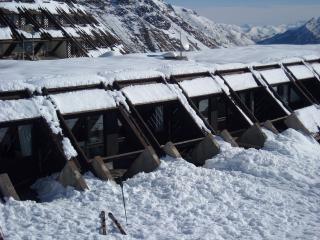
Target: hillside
(259,33)
(153,25)
(309,33)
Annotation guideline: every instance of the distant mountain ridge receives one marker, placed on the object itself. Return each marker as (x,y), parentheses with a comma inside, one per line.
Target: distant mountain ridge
(308,33)
(259,33)
(153,25)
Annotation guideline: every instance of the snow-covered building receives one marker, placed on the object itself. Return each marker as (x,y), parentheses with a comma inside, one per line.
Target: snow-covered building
(117,121)
(51,29)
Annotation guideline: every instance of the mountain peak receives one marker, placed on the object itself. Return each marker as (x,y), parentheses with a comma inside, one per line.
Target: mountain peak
(154,25)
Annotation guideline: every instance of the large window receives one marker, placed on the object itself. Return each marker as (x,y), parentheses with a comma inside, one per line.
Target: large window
(16,142)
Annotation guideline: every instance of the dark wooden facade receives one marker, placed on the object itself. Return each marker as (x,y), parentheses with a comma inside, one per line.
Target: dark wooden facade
(55,29)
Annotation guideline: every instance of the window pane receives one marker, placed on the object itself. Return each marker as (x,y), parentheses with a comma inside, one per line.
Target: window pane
(3,132)
(25,138)
(95,129)
(204,107)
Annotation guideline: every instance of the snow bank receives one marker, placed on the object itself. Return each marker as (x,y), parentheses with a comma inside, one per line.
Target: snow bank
(275,76)
(240,82)
(17,110)
(86,100)
(316,67)
(310,117)
(301,72)
(5,33)
(149,93)
(200,86)
(241,194)
(19,75)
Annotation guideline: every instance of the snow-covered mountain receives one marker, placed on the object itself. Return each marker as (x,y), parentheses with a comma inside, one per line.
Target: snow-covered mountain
(259,33)
(309,33)
(153,25)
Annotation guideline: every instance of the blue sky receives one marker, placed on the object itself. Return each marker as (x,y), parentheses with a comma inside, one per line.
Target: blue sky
(254,11)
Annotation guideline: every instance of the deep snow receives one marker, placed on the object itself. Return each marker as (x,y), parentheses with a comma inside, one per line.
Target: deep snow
(272,193)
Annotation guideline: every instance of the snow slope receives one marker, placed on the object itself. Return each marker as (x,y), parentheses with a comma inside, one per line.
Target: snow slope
(272,193)
(259,33)
(154,25)
(309,33)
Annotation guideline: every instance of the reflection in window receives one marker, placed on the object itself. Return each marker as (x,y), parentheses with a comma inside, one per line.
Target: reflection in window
(204,108)
(16,142)
(25,140)
(3,132)
(89,132)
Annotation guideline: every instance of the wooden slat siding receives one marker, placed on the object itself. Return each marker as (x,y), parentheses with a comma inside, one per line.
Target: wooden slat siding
(26,13)
(232,71)
(145,129)
(190,76)
(73,88)
(69,37)
(237,99)
(305,93)
(194,107)
(142,81)
(120,157)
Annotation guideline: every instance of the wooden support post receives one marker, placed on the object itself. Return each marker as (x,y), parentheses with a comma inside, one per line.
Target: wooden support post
(269,125)
(253,137)
(205,150)
(100,169)
(171,150)
(6,187)
(70,176)
(226,136)
(103,227)
(147,162)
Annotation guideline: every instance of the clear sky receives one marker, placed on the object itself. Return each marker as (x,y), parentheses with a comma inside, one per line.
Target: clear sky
(254,11)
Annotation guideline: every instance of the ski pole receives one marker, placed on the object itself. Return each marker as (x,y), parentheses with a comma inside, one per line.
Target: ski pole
(124,202)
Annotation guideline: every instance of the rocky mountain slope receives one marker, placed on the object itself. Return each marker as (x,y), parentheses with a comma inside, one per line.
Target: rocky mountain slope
(153,25)
(309,33)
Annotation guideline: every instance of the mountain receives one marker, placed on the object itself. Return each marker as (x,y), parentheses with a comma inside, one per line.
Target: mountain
(259,33)
(153,25)
(309,33)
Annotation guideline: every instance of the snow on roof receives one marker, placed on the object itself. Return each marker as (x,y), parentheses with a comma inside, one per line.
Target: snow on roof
(18,75)
(274,76)
(51,6)
(86,100)
(241,81)
(310,117)
(72,31)
(301,72)
(316,67)
(200,86)
(149,93)
(29,35)
(12,110)
(5,33)
(53,33)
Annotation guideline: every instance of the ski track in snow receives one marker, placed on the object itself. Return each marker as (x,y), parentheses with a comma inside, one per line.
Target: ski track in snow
(272,193)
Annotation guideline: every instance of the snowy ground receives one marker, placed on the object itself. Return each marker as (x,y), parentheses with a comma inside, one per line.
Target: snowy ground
(18,75)
(273,193)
